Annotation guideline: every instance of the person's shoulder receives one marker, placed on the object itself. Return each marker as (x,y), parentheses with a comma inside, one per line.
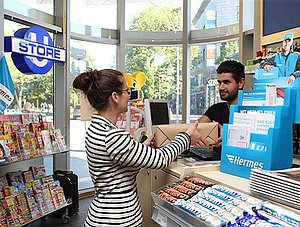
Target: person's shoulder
(218,105)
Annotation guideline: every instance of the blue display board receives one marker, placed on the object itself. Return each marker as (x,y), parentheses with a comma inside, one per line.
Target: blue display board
(281,82)
(271,151)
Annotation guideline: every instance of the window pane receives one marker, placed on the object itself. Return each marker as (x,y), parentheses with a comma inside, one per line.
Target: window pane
(90,16)
(248,15)
(162,66)
(204,62)
(84,55)
(213,14)
(34,93)
(156,15)
(31,89)
(40,10)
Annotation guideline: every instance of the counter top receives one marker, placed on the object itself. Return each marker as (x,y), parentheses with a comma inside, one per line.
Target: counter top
(228,180)
(182,167)
(209,170)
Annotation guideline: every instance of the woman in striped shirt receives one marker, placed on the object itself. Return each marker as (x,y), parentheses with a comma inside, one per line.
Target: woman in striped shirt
(114,157)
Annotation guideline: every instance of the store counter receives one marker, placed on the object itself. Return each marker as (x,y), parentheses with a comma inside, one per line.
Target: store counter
(225,179)
(152,180)
(208,171)
(183,166)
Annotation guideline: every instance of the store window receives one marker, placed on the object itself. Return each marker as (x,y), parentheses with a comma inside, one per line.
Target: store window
(248,15)
(214,14)
(205,59)
(163,68)
(84,55)
(88,17)
(33,92)
(39,10)
(146,15)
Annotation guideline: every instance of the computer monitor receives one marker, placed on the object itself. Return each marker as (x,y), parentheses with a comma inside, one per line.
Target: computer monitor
(156,113)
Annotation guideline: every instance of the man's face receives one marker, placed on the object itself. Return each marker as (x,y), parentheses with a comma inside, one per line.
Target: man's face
(286,45)
(228,88)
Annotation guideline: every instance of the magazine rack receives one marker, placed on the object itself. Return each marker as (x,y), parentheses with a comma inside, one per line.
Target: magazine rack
(278,141)
(281,82)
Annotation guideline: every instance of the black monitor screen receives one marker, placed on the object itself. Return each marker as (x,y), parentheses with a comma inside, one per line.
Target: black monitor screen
(159,113)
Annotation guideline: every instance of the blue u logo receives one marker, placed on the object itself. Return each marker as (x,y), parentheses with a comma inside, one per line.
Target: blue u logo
(39,41)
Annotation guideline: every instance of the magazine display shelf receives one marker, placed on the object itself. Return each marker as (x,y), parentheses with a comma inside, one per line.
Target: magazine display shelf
(65,217)
(7,162)
(21,162)
(281,82)
(279,152)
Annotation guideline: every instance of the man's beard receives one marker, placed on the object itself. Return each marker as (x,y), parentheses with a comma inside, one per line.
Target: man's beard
(230,96)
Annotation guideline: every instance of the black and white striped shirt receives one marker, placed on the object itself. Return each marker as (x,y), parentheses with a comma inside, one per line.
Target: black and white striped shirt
(114,160)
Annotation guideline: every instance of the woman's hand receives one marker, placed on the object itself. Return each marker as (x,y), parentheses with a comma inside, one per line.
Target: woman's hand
(149,141)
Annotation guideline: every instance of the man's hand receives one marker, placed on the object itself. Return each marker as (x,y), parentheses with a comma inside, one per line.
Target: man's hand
(291,79)
(268,67)
(218,142)
(196,138)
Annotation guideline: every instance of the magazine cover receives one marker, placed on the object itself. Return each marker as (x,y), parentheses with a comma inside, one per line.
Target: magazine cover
(58,137)
(293,174)
(45,134)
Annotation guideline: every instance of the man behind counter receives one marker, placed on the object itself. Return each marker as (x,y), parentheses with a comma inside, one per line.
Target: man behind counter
(231,79)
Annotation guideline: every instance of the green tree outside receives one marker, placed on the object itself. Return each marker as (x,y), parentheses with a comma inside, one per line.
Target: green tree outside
(157,62)
(227,49)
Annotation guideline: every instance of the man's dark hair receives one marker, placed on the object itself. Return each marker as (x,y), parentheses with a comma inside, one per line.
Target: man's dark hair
(236,68)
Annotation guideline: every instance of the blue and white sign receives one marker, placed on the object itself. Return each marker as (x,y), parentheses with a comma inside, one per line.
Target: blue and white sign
(33,50)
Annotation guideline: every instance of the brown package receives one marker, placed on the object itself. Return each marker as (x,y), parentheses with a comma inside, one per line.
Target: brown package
(165,133)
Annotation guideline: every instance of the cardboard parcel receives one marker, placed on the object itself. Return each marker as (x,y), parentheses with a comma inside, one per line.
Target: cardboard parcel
(165,133)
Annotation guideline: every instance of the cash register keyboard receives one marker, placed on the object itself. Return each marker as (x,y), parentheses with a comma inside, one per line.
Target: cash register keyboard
(205,153)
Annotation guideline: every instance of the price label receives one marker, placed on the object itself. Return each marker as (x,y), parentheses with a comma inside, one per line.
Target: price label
(161,219)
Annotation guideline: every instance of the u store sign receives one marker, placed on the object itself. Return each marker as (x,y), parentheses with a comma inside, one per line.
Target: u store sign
(33,50)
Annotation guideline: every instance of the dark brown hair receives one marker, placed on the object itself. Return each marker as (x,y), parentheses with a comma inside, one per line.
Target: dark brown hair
(98,85)
(231,66)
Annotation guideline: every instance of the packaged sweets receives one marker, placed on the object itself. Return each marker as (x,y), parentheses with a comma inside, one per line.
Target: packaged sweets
(199,181)
(175,193)
(167,197)
(191,185)
(184,190)
(282,214)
